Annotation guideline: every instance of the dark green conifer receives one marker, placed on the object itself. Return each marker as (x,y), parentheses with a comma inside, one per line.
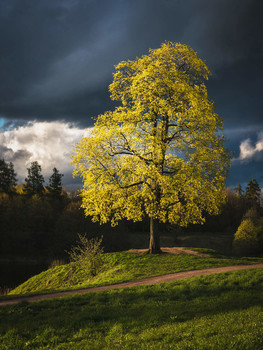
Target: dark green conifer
(253,192)
(55,183)
(34,181)
(7,177)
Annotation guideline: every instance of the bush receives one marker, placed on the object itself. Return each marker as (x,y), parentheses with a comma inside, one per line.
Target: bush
(246,240)
(87,255)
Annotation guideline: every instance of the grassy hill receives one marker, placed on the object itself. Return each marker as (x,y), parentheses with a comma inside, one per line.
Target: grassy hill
(125,266)
(209,312)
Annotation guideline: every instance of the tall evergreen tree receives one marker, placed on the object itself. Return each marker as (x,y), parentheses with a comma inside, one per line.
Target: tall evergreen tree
(34,181)
(253,192)
(55,182)
(7,176)
(238,190)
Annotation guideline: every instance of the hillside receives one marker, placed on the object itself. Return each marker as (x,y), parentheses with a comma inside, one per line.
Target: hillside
(126,266)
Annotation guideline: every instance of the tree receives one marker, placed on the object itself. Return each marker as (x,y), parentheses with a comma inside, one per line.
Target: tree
(34,181)
(159,154)
(55,183)
(238,190)
(253,192)
(7,177)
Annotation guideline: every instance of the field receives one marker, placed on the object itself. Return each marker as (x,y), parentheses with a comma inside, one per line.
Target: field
(212,312)
(209,312)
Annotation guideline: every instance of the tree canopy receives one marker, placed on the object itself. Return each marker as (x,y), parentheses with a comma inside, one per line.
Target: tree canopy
(161,153)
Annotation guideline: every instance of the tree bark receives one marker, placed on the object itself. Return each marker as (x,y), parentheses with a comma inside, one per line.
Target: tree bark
(154,246)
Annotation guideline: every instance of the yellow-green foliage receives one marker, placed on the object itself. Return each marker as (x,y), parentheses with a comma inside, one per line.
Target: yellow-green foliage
(246,238)
(159,153)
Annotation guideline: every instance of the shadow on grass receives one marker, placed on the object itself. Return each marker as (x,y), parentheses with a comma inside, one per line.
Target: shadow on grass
(142,307)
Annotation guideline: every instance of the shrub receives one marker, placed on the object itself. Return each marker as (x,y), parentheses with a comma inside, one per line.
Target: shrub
(87,254)
(246,238)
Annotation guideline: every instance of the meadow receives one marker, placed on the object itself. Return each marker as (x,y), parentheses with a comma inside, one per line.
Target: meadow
(209,312)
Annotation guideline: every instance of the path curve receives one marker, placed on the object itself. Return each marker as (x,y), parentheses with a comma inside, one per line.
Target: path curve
(144,281)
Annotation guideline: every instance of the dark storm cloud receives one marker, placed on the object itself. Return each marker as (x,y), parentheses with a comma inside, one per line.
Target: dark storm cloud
(57,57)
(52,52)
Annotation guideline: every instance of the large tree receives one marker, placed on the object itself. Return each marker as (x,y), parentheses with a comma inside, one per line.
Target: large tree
(160,154)
(7,176)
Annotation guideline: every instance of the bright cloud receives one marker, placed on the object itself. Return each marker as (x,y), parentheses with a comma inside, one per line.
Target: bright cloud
(49,143)
(248,151)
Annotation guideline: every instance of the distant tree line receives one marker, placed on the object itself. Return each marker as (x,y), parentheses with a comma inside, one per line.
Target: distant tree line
(238,202)
(34,182)
(44,221)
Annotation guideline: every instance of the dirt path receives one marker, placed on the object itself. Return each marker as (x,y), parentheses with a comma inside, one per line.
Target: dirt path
(173,251)
(145,281)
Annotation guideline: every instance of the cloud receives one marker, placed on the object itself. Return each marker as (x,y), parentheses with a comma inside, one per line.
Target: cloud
(55,52)
(49,143)
(248,152)
(225,32)
(57,55)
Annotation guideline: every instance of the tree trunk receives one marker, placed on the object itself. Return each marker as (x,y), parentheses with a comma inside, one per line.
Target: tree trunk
(154,247)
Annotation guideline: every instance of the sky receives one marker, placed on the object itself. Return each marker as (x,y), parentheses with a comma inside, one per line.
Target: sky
(57,58)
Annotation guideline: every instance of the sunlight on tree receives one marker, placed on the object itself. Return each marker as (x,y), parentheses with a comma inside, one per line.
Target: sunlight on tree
(161,153)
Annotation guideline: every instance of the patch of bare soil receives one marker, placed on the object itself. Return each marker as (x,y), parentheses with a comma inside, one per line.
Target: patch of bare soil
(172,250)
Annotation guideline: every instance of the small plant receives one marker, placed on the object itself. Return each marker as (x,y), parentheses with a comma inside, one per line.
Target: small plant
(87,254)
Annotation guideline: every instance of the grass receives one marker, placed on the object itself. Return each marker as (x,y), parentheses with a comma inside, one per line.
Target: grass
(122,267)
(208,312)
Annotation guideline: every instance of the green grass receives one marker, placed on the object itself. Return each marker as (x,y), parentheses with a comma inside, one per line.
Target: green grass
(121,267)
(208,312)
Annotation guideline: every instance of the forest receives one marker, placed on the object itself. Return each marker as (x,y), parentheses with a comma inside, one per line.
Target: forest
(43,221)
